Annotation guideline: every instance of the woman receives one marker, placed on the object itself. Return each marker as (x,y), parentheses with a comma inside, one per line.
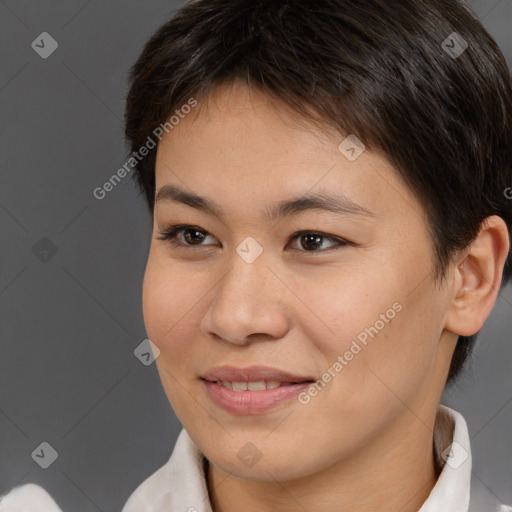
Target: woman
(328,188)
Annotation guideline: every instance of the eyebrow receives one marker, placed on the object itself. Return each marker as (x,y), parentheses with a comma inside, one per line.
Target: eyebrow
(336,203)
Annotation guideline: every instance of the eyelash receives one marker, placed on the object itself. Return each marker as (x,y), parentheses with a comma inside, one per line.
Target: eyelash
(169,235)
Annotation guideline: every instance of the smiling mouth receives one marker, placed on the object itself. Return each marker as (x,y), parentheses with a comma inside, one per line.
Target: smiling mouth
(253,378)
(261,385)
(253,397)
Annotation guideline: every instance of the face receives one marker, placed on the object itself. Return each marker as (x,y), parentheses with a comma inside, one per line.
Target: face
(343,295)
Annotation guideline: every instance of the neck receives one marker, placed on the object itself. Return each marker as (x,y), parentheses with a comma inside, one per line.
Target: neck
(384,475)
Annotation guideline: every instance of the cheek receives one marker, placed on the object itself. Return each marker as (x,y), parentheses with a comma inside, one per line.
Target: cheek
(166,302)
(385,335)
(167,297)
(345,305)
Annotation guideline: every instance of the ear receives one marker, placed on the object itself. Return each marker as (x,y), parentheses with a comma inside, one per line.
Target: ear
(477,278)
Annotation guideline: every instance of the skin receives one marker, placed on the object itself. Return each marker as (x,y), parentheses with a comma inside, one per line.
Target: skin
(365,441)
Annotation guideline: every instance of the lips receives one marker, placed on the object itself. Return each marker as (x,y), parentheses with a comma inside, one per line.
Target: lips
(254,374)
(248,401)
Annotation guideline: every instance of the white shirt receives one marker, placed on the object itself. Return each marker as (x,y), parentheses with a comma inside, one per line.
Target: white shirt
(180,485)
(28,498)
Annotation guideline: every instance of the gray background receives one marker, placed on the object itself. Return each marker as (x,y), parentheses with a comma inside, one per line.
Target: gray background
(69,325)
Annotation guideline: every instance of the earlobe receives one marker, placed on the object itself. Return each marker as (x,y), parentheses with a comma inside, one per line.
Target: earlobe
(478,277)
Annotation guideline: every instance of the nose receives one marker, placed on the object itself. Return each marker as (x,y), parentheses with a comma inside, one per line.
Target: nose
(247,304)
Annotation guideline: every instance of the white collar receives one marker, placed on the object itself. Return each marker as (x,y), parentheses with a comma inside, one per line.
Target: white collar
(453,454)
(180,485)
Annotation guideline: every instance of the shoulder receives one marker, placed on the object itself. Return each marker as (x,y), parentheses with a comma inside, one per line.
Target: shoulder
(28,498)
(457,479)
(150,493)
(176,485)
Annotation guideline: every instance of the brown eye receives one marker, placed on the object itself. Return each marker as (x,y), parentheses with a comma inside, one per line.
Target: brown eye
(312,242)
(192,236)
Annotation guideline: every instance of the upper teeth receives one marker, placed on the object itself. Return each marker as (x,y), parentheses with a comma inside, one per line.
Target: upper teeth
(250,386)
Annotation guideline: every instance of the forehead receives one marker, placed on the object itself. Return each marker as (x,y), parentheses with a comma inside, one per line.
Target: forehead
(237,106)
(251,147)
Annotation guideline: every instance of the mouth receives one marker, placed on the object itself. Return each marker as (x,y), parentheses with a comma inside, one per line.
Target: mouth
(239,399)
(260,385)
(253,390)
(253,378)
